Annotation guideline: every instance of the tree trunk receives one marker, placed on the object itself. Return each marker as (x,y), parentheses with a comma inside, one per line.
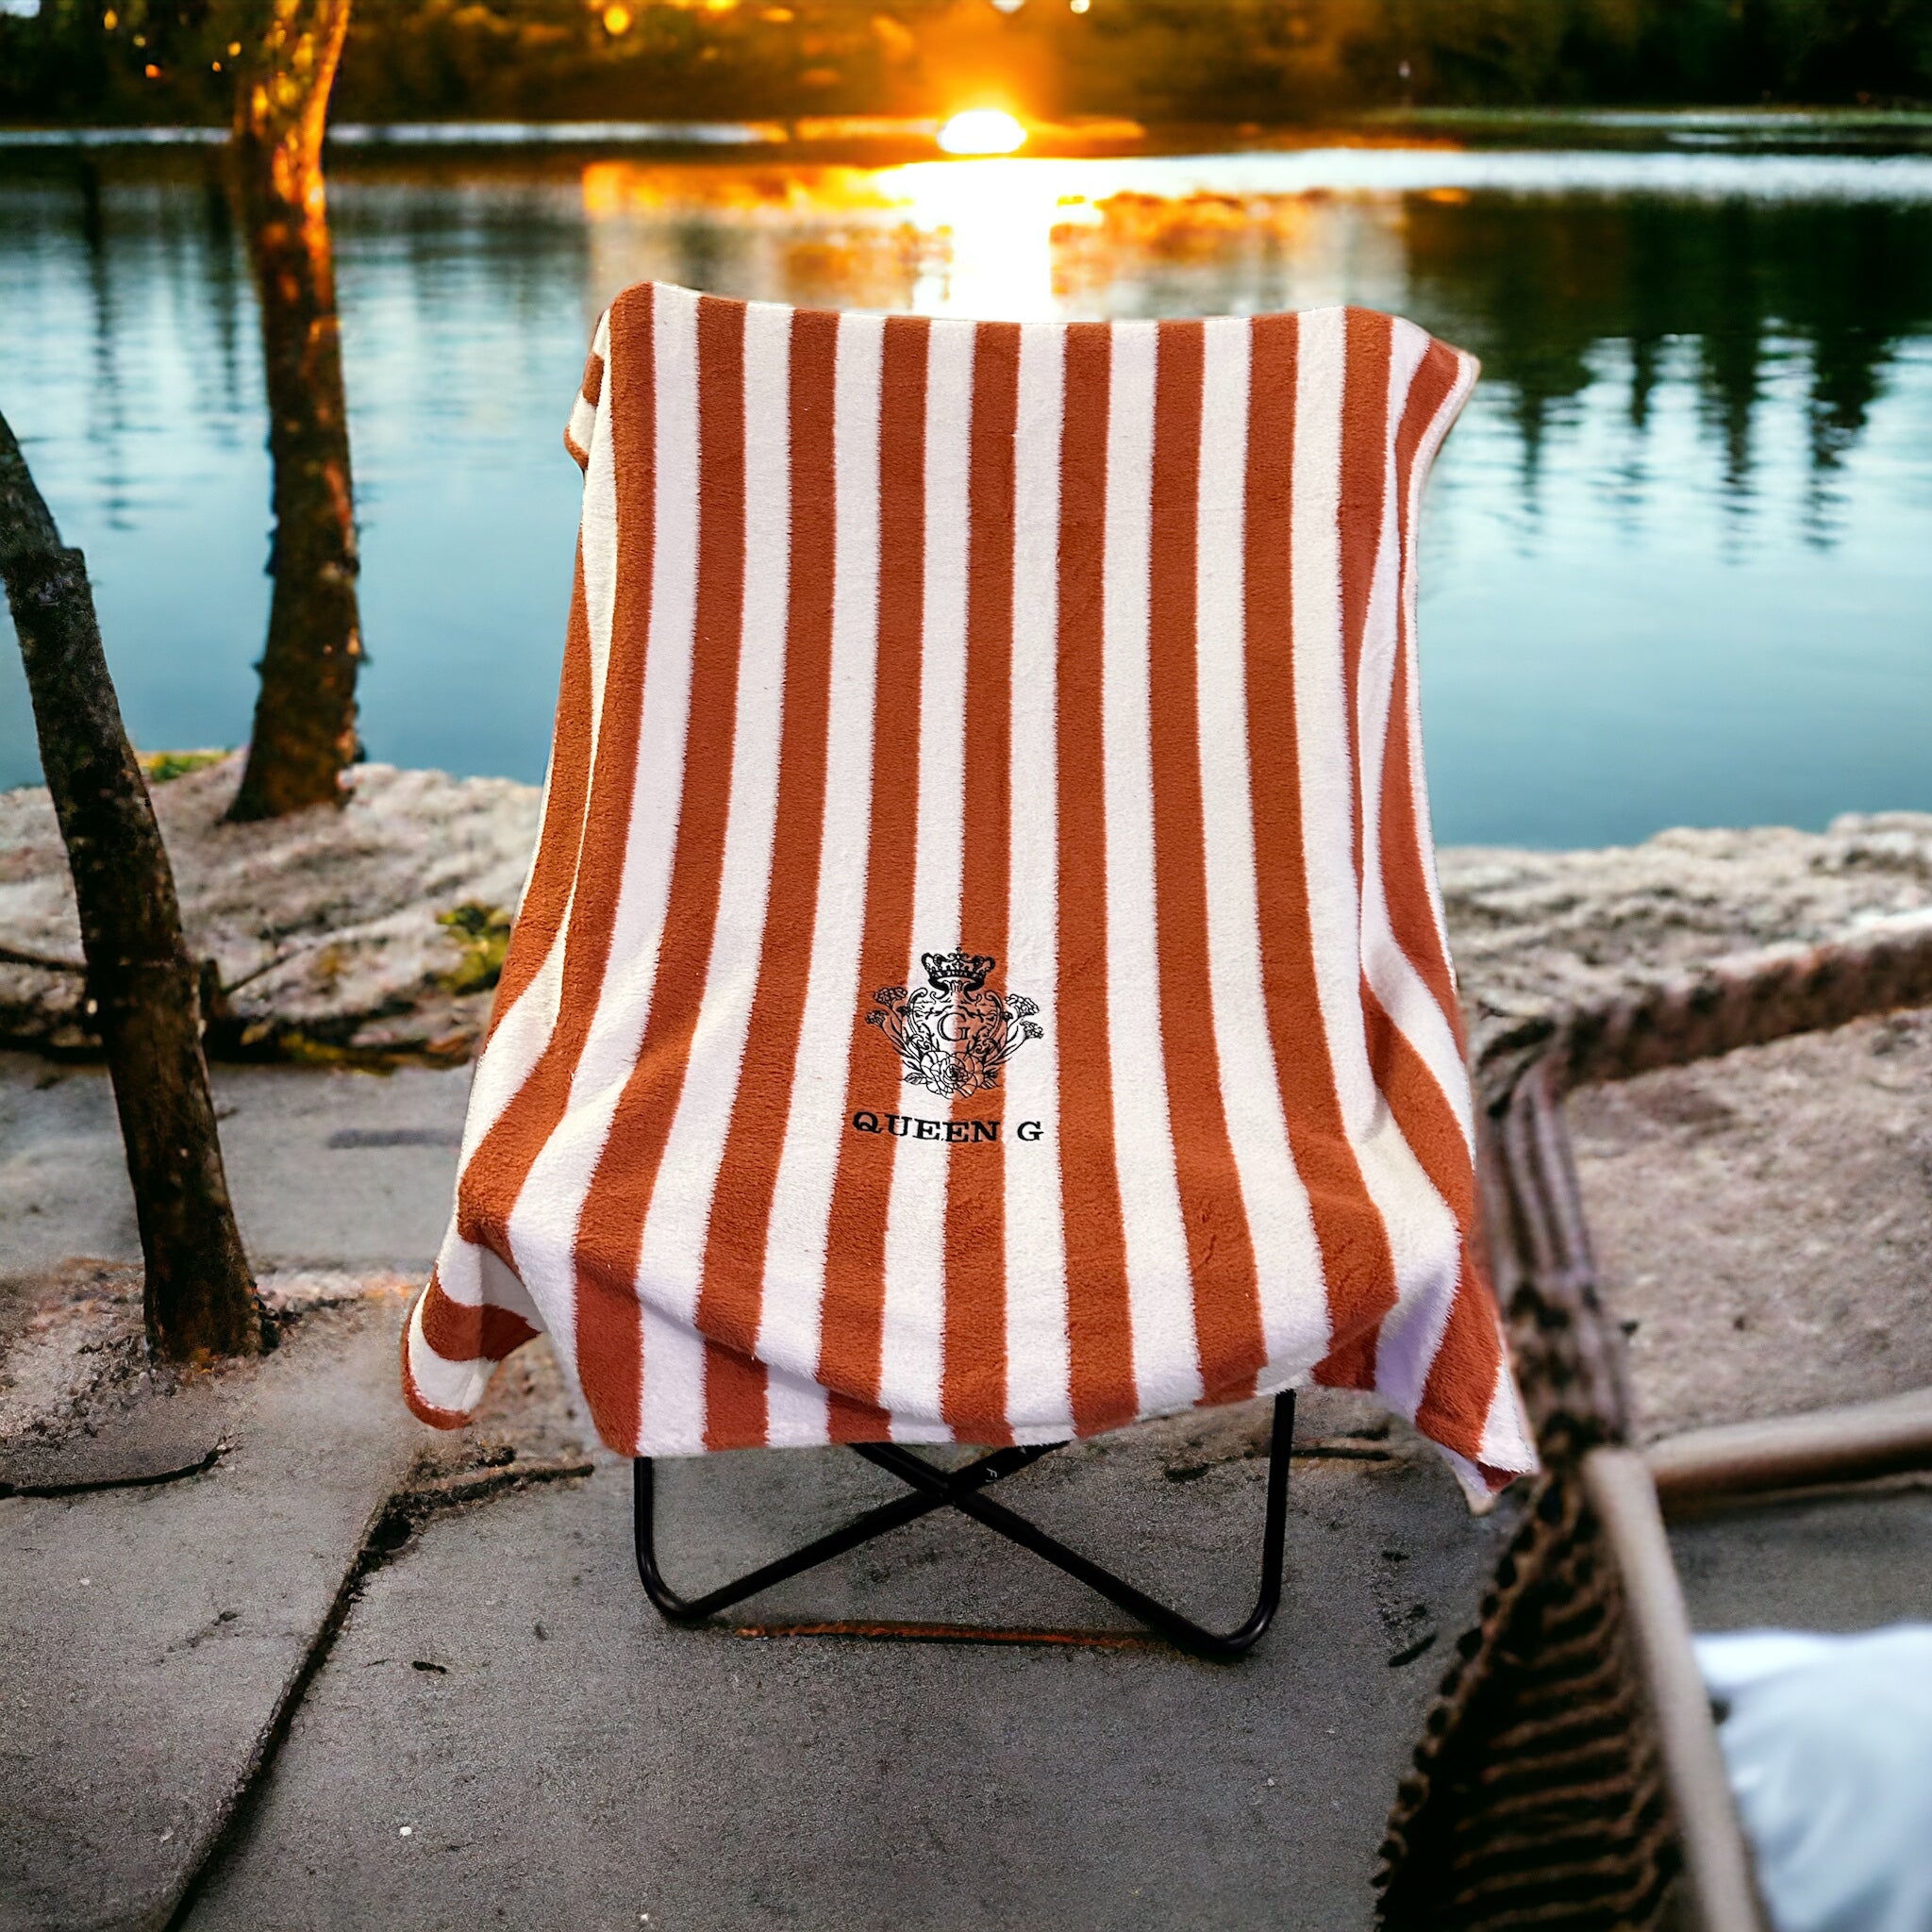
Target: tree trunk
(199,1298)
(304,715)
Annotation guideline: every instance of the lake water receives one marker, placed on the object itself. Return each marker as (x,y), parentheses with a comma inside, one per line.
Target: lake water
(1678,551)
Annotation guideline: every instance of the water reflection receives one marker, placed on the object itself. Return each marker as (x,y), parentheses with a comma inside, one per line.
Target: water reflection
(1679,561)
(1535,284)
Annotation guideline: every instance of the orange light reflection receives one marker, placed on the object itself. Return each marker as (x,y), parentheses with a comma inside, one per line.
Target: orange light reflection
(1015,240)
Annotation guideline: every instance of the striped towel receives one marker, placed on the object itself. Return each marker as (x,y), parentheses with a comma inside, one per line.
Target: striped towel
(982,976)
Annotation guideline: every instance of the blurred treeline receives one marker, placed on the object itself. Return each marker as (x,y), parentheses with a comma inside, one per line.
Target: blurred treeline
(1155,61)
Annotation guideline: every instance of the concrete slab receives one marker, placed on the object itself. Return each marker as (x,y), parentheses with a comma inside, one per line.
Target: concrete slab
(154,1441)
(151,1634)
(506,1733)
(1847,1561)
(337,1169)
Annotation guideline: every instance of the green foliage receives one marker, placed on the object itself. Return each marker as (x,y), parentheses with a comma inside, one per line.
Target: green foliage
(157,767)
(125,61)
(1232,61)
(483,931)
(1606,52)
(1213,60)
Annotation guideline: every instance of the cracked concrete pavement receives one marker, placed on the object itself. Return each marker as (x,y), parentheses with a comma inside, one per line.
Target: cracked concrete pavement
(609,1758)
(501,1731)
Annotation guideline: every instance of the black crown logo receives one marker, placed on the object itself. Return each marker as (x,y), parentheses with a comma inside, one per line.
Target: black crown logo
(955,971)
(953,1036)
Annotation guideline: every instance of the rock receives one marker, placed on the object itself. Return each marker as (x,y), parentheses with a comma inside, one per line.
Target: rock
(324,926)
(1536,930)
(365,931)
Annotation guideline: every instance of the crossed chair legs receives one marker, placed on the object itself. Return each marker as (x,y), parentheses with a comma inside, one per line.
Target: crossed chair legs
(965,1490)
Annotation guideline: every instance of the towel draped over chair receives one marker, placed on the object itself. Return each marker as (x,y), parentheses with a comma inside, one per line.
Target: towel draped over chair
(982,976)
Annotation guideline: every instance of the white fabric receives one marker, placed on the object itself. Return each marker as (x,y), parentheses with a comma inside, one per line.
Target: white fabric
(1828,1742)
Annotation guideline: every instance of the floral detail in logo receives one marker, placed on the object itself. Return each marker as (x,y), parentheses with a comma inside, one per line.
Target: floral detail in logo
(953,1033)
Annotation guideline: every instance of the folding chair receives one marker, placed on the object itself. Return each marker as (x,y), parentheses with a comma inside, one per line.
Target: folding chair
(982,978)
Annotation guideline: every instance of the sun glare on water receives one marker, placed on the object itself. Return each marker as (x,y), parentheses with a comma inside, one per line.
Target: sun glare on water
(982,131)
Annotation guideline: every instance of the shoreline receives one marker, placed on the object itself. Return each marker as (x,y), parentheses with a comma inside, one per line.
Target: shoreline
(372,935)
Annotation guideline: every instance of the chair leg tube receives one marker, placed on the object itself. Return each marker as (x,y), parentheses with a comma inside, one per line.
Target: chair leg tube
(1178,1629)
(861,1530)
(935,1488)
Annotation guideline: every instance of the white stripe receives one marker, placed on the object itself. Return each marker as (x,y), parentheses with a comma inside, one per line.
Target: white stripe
(1288,1256)
(475,1276)
(1166,1359)
(802,1198)
(1405,996)
(675,1230)
(444,1383)
(797,1415)
(671,1404)
(921,1428)
(1506,1442)
(516,1045)
(544,1225)
(600,530)
(524,1030)
(912,1342)
(1429,1268)
(1321,722)
(473,1126)
(1421,1235)
(1466,373)
(584,413)
(1038,1350)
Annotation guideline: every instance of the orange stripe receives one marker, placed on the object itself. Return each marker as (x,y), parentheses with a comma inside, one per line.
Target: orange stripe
(731,1299)
(1462,1377)
(1411,910)
(973,1389)
(852,1334)
(495,1173)
(1421,1109)
(459,1332)
(1221,1254)
(1352,1363)
(540,918)
(1356,1264)
(1469,1352)
(1100,1330)
(737,1404)
(611,1227)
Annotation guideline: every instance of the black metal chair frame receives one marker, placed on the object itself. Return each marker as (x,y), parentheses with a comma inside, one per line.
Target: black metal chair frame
(964,1489)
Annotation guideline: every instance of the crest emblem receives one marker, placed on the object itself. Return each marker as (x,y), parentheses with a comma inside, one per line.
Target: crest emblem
(953,1033)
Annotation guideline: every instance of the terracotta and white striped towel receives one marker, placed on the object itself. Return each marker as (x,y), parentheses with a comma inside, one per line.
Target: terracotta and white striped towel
(982,975)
